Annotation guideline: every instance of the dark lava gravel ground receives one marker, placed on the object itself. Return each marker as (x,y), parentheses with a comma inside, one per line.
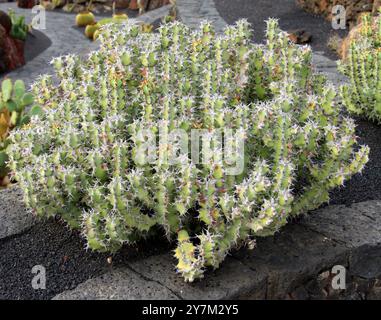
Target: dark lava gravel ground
(290,17)
(62,252)
(365,186)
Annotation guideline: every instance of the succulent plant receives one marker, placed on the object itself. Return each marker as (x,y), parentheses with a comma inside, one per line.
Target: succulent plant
(13,101)
(84,18)
(91,29)
(19,29)
(99,156)
(362,96)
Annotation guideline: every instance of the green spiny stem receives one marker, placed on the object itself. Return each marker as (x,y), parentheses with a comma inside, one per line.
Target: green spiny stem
(89,160)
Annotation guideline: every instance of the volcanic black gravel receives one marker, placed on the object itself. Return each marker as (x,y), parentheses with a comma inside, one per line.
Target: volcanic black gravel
(291,17)
(365,186)
(62,253)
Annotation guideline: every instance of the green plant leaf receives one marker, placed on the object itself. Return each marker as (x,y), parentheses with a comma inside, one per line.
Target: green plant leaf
(36,111)
(11,105)
(6,89)
(18,89)
(25,120)
(105,21)
(3,158)
(14,117)
(27,99)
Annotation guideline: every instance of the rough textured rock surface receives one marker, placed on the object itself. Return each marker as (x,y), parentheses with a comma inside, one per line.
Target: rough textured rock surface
(5,21)
(294,264)
(26,4)
(11,52)
(133,5)
(154,4)
(353,7)
(14,217)
(299,36)
(193,11)
(122,4)
(119,284)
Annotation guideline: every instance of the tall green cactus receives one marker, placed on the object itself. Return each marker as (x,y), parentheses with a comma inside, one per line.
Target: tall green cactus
(84,159)
(363,66)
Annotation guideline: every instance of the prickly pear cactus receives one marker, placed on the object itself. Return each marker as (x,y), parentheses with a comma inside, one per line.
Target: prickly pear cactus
(105,156)
(363,66)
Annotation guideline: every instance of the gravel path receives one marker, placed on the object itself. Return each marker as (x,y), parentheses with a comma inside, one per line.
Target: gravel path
(62,253)
(290,16)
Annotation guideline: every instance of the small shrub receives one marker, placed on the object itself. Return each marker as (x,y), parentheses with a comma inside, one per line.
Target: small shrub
(363,66)
(83,160)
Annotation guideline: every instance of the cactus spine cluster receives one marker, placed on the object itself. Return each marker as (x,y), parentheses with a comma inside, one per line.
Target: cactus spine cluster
(83,160)
(363,66)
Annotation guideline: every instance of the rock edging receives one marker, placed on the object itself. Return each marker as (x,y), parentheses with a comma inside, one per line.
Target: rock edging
(14,217)
(281,267)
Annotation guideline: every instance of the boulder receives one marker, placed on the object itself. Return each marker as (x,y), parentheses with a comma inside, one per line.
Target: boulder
(11,52)
(299,36)
(3,62)
(122,4)
(142,5)
(154,4)
(133,5)
(376,6)
(5,21)
(354,10)
(26,4)
(353,7)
